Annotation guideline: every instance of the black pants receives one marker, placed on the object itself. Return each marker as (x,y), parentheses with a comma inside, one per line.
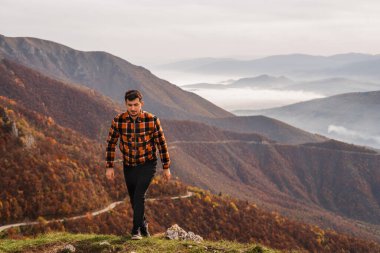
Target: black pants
(138,179)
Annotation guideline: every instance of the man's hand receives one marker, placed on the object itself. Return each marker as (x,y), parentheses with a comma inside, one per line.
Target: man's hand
(167,174)
(110,174)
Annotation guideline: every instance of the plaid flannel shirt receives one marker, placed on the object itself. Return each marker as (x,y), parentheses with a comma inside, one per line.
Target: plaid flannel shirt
(138,139)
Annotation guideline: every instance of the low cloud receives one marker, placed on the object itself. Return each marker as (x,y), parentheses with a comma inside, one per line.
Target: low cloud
(253,99)
(353,134)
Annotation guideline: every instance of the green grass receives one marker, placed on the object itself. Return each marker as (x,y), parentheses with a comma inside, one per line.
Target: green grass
(95,243)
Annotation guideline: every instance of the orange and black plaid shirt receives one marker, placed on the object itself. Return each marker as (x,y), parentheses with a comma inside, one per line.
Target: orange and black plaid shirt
(138,139)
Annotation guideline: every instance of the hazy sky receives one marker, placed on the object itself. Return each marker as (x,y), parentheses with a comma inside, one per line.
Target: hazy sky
(144,31)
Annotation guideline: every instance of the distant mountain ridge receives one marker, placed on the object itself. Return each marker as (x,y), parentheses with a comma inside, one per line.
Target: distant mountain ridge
(302,65)
(334,86)
(261,81)
(327,86)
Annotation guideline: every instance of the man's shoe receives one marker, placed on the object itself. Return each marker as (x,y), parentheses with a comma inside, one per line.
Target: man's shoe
(144,230)
(136,235)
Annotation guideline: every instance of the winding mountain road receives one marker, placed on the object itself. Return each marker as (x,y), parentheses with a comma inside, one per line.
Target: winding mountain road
(114,204)
(94,213)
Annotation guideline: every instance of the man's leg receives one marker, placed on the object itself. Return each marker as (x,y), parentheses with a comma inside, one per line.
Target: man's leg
(146,174)
(130,176)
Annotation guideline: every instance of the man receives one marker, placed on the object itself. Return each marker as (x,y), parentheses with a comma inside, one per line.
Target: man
(140,132)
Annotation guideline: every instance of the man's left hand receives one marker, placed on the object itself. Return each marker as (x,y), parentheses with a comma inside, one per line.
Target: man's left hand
(167,174)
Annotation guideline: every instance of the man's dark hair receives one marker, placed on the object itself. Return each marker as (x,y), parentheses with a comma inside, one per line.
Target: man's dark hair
(132,95)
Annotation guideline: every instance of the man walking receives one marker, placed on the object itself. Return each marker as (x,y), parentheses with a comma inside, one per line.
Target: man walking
(139,132)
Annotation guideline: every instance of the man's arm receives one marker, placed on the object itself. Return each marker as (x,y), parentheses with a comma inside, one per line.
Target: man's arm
(112,139)
(159,139)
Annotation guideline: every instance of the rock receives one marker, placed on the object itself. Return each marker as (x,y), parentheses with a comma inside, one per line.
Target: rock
(28,141)
(69,248)
(175,232)
(193,237)
(14,129)
(105,243)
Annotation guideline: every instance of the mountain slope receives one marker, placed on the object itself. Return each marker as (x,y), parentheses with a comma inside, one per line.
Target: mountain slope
(108,74)
(215,218)
(75,107)
(351,117)
(278,175)
(47,169)
(53,161)
(269,127)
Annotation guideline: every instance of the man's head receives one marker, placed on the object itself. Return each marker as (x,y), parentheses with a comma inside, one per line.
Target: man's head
(134,102)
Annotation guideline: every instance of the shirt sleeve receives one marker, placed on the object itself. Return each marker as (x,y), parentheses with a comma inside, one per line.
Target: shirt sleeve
(112,139)
(159,139)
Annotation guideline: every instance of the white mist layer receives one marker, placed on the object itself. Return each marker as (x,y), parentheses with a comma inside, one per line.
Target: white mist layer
(253,99)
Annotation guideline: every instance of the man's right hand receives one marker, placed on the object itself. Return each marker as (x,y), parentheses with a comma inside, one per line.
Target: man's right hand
(110,174)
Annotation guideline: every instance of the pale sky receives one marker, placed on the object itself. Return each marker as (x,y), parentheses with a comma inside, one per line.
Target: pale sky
(162,31)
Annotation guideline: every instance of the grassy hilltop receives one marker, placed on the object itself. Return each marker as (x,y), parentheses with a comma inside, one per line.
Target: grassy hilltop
(55,242)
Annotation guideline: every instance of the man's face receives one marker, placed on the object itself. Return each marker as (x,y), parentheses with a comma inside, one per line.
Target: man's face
(134,106)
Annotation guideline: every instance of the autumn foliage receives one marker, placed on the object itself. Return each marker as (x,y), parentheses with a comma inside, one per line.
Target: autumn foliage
(215,218)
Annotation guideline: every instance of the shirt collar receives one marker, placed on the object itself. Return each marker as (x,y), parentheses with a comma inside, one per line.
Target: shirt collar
(140,116)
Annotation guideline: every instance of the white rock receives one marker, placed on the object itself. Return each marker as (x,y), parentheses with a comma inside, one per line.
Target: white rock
(175,232)
(68,248)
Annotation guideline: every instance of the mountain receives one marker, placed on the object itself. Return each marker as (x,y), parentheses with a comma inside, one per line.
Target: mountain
(97,70)
(351,117)
(107,74)
(362,69)
(334,86)
(111,76)
(262,81)
(277,173)
(190,87)
(258,82)
(326,87)
(255,158)
(348,58)
(293,65)
(45,175)
(268,65)
(303,181)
